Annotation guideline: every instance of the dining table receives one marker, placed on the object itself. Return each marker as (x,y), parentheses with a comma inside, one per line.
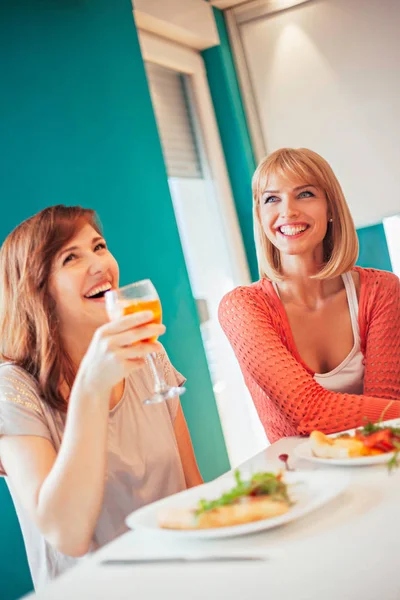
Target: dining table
(347,549)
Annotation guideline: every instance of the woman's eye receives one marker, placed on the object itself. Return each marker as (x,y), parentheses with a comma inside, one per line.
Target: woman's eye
(270,199)
(68,258)
(100,246)
(306,194)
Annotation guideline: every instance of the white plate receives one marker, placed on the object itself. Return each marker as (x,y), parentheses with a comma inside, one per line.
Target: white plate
(304,451)
(308,489)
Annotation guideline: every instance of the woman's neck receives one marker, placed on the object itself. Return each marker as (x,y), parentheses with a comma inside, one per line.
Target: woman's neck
(299,287)
(76,344)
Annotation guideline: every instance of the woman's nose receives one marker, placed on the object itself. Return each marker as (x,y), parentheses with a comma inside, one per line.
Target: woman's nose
(96,265)
(289,209)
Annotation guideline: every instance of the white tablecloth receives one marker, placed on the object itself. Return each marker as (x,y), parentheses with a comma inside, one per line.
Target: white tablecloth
(346,550)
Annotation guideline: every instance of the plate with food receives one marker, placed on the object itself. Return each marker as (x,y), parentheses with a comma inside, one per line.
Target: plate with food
(237,504)
(373,444)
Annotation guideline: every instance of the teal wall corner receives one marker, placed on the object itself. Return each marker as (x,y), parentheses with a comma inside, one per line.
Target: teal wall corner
(15,579)
(234,133)
(78,127)
(374,252)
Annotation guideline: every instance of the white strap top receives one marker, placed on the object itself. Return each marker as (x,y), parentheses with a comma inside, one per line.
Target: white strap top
(348,377)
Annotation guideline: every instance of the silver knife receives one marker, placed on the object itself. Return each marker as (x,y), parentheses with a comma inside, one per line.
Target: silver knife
(117,562)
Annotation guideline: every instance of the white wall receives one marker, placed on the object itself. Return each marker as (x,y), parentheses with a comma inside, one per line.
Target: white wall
(392,232)
(326,76)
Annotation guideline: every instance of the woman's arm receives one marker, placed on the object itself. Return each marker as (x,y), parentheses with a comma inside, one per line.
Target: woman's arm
(186,452)
(382,347)
(63,493)
(247,322)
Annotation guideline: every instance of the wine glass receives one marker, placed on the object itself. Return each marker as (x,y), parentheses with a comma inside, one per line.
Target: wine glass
(138,297)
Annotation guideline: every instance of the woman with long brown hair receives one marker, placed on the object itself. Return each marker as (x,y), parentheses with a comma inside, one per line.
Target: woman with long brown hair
(78,447)
(317,338)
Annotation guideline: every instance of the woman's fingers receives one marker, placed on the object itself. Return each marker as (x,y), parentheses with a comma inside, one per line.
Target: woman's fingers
(126,322)
(136,335)
(139,350)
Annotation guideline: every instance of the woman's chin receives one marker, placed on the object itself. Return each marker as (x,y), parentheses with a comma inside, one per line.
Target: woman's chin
(300,248)
(97,316)
(295,251)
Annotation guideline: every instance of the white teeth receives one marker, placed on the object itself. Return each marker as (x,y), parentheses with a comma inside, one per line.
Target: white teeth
(289,230)
(105,287)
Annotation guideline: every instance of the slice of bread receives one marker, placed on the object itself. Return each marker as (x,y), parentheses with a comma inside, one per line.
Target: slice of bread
(323,446)
(249,509)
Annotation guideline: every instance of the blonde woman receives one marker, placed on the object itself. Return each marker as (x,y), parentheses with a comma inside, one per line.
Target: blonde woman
(78,447)
(317,339)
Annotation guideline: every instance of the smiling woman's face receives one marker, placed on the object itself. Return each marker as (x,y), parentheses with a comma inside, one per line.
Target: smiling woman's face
(82,271)
(294,215)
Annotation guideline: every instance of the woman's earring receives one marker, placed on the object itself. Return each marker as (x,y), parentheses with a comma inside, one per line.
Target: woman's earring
(331,220)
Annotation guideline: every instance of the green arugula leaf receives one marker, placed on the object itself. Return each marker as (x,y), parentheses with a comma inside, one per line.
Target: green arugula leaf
(260,484)
(392,463)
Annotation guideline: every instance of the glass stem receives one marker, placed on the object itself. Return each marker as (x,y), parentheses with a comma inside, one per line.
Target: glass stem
(159,381)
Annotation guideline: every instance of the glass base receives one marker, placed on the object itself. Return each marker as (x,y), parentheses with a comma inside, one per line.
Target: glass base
(166,394)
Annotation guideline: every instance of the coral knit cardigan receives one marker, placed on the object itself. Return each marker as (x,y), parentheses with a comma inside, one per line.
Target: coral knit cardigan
(287,398)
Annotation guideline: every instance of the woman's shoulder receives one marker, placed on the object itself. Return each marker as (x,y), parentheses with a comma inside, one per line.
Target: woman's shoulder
(377,280)
(19,387)
(257,291)
(243,300)
(379,297)
(17,377)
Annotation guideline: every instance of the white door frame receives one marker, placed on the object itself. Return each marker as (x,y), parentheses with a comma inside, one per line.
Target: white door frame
(236,17)
(184,60)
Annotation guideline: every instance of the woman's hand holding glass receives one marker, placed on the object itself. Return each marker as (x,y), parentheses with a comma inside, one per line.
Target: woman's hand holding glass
(133,299)
(118,348)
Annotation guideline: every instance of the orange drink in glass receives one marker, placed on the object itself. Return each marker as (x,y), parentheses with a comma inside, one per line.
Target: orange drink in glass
(138,297)
(135,306)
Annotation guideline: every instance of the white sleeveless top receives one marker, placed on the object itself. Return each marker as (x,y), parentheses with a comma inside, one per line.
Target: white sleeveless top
(348,377)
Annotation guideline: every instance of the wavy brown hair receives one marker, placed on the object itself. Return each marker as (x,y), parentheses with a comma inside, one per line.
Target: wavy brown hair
(29,332)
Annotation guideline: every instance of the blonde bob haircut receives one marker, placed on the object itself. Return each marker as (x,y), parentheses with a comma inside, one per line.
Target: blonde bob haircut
(340,242)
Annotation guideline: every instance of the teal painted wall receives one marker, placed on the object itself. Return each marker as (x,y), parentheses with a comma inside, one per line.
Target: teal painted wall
(77,127)
(234,133)
(373,248)
(15,579)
